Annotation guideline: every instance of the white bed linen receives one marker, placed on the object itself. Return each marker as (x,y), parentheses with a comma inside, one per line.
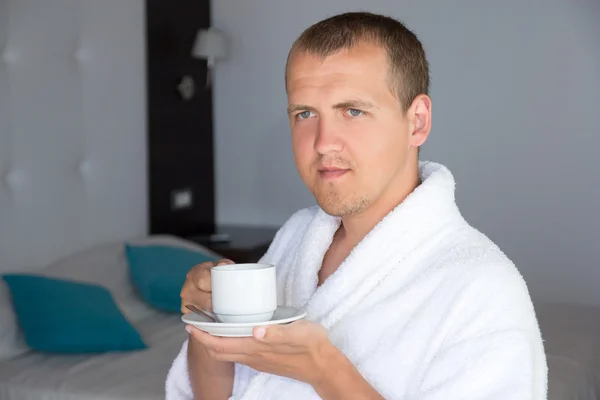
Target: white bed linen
(28,375)
(129,375)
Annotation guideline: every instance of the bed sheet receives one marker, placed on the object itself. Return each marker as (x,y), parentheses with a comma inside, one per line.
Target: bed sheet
(140,375)
(118,376)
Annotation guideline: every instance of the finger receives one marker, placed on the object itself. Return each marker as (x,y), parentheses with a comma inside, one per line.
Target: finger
(201,300)
(224,345)
(202,280)
(272,334)
(196,333)
(194,274)
(201,337)
(197,276)
(184,295)
(191,295)
(236,358)
(198,268)
(292,333)
(202,276)
(206,339)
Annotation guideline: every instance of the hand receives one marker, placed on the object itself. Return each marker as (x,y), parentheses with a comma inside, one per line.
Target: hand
(210,379)
(196,289)
(300,350)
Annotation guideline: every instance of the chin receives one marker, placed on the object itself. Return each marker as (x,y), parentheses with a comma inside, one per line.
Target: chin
(333,211)
(334,206)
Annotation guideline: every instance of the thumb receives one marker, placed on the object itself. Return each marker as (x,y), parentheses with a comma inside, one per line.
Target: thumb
(270,334)
(224,261)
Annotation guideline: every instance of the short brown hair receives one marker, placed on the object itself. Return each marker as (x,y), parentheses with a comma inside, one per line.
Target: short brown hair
(408,70)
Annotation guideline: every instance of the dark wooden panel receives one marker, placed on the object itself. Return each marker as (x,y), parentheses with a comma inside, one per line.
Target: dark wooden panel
(244,244)
(180,137)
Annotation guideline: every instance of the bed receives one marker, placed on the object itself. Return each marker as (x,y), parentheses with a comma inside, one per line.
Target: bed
(571,336)
(32,375)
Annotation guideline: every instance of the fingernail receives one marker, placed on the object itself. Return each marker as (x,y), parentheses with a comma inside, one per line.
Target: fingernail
(188,329)
(260,333)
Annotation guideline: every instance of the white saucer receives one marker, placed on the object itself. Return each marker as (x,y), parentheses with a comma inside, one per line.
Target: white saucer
(283,315)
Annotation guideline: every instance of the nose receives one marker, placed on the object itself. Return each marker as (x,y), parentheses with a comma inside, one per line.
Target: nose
(327,139)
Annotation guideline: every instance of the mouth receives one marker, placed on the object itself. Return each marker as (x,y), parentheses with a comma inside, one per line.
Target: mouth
(332,173)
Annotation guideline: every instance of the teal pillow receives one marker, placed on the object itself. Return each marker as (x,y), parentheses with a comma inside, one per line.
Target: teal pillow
(158,272)
(63,316)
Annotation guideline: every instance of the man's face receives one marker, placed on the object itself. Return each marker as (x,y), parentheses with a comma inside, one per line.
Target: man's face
(351,139)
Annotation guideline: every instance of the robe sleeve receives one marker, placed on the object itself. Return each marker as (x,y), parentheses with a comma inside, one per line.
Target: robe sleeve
(493,349)
(495,366)
(177,385)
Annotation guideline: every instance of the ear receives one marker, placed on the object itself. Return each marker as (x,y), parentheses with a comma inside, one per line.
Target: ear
(420,115)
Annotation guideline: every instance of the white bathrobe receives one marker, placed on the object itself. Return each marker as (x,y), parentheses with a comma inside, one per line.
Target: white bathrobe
(425,307)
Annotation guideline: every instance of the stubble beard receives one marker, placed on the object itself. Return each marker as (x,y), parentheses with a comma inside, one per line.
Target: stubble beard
(333,203)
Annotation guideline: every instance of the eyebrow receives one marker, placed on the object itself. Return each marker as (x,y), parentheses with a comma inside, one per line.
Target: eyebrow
(298,107)
(365,105)
(360,104)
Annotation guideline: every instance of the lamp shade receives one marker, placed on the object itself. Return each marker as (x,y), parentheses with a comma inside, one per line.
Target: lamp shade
(209,45)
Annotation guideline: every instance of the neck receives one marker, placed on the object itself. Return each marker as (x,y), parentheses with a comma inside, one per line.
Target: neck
(356,226)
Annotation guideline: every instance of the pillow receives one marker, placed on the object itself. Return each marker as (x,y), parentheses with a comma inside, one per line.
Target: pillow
(106,264)
(158,272)
(12,343)
(64,316)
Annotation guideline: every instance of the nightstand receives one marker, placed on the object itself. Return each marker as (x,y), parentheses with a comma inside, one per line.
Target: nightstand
(241,244)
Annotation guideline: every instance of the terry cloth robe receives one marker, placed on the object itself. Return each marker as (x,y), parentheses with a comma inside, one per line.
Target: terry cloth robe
(425,306)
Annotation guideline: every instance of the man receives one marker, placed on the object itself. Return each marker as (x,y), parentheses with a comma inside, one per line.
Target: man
(404,299)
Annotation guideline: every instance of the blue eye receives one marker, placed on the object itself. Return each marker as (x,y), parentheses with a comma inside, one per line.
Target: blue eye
(304,114)
(354,112)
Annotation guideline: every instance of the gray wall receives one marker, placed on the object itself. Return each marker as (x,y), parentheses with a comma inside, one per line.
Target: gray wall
(516,105)
(72,128)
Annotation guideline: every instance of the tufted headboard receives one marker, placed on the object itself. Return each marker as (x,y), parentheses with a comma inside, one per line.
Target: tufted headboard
(72,127)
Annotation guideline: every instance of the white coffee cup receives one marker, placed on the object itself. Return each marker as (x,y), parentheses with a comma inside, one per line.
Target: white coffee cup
(243,292)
